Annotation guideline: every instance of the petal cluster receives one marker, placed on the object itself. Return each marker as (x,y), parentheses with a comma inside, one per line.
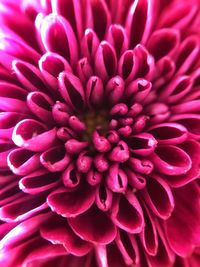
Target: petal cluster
(99,133)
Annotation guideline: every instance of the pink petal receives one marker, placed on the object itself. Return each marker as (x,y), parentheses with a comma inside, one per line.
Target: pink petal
(72,203)
(127,213)
(94,226)
(158,196)
(183,228)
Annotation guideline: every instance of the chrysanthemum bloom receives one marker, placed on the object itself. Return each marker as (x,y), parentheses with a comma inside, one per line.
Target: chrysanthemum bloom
(99,133)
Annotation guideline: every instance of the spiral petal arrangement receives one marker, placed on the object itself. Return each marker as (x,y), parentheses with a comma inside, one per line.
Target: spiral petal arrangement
(99,133)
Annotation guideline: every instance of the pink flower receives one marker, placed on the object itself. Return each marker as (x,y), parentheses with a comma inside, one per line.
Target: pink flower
(99,133)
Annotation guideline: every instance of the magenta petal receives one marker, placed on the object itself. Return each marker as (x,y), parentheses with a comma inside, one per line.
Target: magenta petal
(94,226)
(183,228)
(190,122)
(12,98)
(104,197)
(118,38)
(55,28)
(164,42)
(158,196)
(127,213)
(139,14)
(50,65)
(55,159)
(171,160)
(148,235)
(56,230)
(29,206)
(105,61)
(23,162)
(32,135)
(38,182)
(114,90)
(128,247)
(128,65)
(72,13)
(94,92)
(29,76)
(192,148)
(71,89)
(40,104)
(84,70)
(169,133)
(72,203)
(116,179)
(89,44)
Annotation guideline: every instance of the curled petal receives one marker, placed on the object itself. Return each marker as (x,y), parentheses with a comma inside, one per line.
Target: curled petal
(65,133)
(158,196)
(139,14)
(127,213)
(29,76)
(171,160)
(8,120)
(38,182)
(55,159)
(101,144)
(40,104)
(186,107)
(117,37)
(99,229)
(120,153)
(148,235)
(56,230)
(94,92)
(12,98)
(142,144)
(164,42)
(55,28)
(105,61)
(128,247)
(101,163)
(50,65)
(29,206)
(120,109)
(128,66)
(84,162)
(187,54)
(169,133)
(71,177)
(89,44)
(72,203)
(32,135)
(158,112)
(192,148)
(182,228)
(23,162)
(176,90)
(116,179)
(84,70)
(136,180)
(93,8)
(114,90)
(93,177)
(61,113)
(72,13)
(103,197)
(143,166)
(165,69)
(145,62)
(74,146)
(71,89)
(191,122)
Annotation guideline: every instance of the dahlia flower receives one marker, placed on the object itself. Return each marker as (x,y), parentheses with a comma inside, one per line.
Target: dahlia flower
(99,133)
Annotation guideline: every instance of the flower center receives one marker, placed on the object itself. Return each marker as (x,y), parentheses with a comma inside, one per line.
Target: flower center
(95,120)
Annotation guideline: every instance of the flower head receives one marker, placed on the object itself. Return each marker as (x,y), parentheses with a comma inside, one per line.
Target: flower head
(99,133)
